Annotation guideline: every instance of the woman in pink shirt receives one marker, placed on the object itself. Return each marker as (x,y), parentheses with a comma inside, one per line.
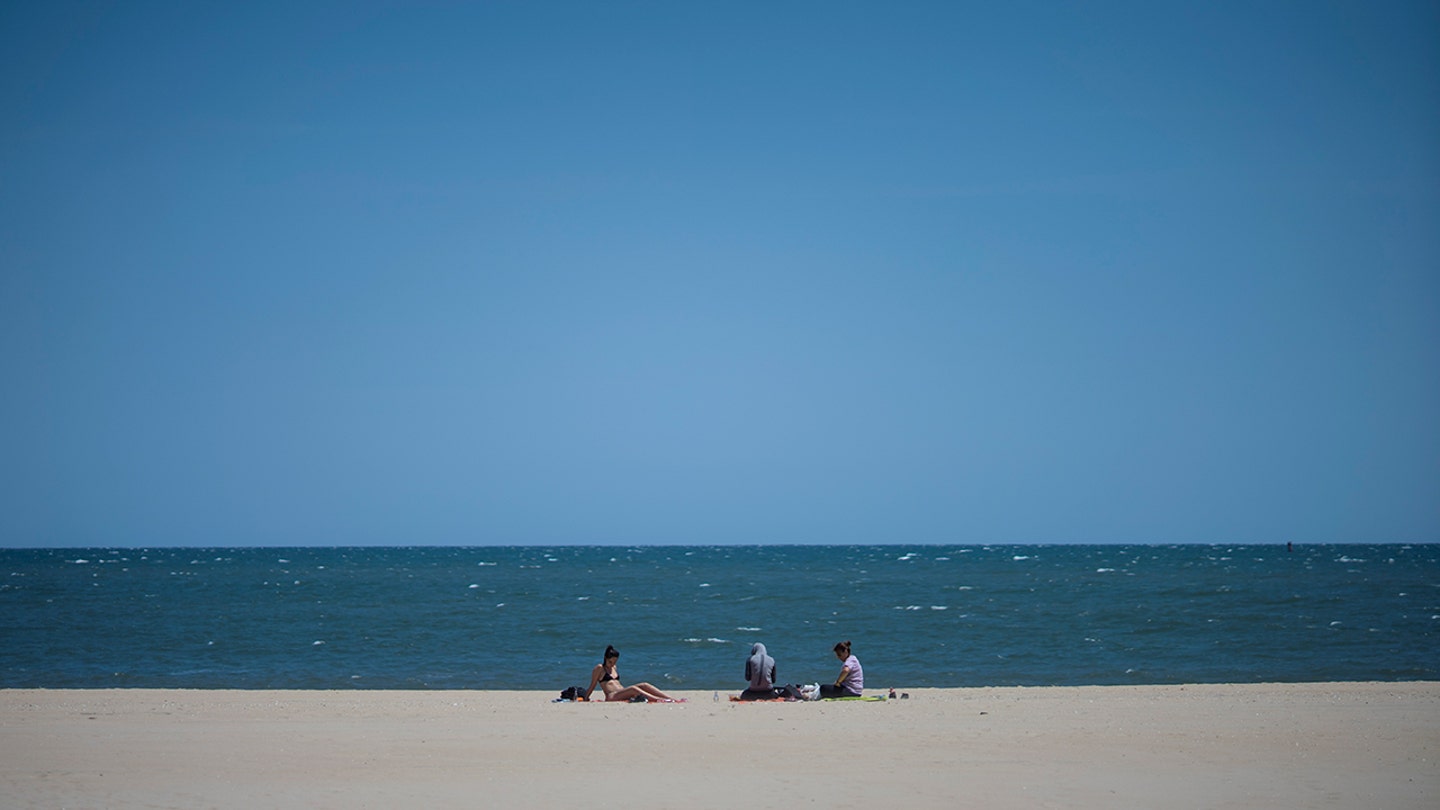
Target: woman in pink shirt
(851,680)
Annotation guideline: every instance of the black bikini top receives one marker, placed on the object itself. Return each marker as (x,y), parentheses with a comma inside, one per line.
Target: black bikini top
(608,677)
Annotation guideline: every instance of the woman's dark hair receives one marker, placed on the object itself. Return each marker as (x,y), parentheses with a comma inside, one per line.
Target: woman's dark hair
(610,652)
(843,647)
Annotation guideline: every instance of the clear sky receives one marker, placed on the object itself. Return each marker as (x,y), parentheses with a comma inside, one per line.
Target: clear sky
(492,273)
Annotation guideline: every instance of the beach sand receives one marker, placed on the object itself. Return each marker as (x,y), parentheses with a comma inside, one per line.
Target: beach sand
(1342,745)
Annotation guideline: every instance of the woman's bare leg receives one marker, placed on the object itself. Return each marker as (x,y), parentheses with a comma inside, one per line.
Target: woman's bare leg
(644,690)
(653,693)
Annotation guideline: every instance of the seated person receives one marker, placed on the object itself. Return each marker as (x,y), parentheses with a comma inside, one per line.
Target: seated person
(760,672)
(851,680)
(608,678)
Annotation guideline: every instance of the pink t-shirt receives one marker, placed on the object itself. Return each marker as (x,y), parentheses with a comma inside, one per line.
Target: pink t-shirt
(855,680)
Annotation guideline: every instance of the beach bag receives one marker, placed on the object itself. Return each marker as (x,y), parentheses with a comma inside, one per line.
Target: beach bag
(573,693)
(789,691)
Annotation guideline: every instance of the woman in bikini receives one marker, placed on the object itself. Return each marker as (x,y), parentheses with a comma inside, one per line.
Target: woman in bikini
(605,675)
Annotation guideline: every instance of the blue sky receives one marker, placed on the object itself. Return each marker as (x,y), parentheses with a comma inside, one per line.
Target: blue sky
(492,273)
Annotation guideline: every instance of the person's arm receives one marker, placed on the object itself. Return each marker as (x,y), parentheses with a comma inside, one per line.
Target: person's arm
(844,673)
(594,676)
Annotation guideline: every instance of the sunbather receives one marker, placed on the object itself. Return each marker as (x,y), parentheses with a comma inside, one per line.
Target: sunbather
(608,678)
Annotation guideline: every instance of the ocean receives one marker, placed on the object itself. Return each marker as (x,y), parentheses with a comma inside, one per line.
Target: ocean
(684,617)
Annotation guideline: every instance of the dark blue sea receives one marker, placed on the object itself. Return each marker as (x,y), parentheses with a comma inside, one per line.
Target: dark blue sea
(685,617)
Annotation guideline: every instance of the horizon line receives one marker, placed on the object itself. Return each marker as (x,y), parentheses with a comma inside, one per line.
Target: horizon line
(895,544)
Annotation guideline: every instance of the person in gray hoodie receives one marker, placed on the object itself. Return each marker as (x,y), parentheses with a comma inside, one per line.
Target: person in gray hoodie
(760,672)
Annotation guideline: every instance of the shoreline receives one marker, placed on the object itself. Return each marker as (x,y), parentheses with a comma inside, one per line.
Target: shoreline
(1327,744)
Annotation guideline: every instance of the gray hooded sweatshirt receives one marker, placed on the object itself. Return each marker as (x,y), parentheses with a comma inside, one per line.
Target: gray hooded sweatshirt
(760,668)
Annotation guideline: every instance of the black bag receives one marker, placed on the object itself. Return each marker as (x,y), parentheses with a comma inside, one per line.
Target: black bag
(573,693)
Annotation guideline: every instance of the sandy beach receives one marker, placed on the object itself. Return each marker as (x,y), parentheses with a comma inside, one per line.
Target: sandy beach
(1341,745)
